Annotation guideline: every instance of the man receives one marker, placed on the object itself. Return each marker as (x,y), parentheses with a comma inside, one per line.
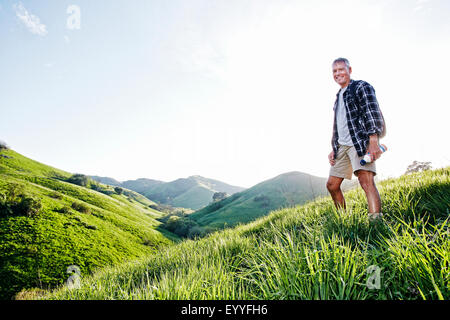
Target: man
(358,125)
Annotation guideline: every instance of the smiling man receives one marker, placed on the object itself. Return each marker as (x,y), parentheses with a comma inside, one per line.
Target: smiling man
(358,125)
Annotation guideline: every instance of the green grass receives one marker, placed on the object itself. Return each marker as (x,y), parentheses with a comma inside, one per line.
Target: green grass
(307,252)
(75,226)
(194,198)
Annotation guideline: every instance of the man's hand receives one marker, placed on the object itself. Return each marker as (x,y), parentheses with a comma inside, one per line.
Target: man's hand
(374,148)
(331,158)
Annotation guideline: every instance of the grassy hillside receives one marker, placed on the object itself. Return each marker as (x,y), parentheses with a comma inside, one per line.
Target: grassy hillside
(48,224)
(308,252)
(196,197)
(284,190)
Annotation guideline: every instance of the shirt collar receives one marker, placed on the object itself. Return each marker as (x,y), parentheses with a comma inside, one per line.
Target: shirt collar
(351,81)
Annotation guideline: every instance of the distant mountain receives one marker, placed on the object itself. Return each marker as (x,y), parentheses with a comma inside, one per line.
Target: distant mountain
(285,190)
(194,192)
(140,185)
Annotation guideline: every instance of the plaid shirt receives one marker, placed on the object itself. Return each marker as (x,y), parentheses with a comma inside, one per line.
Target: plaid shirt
(364,117)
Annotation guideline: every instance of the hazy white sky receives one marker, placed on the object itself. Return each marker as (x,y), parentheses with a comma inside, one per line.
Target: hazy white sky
(234,90)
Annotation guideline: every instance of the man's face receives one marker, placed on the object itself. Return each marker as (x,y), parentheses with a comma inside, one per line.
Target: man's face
(341,74)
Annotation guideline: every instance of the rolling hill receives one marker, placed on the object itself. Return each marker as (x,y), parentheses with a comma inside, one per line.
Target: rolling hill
(48,224)
(193,192)
(308,252)
(285,190)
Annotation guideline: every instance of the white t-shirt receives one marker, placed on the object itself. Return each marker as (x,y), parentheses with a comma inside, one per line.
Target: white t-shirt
(341,121)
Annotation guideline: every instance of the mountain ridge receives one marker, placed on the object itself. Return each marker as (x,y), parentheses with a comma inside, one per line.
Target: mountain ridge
(193,192)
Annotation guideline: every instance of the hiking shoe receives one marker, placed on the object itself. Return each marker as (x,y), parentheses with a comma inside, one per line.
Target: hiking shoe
(375,216)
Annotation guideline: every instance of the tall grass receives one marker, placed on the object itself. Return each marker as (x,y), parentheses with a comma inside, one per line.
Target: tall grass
(308,252)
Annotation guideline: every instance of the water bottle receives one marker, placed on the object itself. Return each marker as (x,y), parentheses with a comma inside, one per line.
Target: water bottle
(368,159)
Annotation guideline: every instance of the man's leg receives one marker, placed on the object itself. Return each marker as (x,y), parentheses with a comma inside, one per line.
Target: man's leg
(334,187)
(367,182)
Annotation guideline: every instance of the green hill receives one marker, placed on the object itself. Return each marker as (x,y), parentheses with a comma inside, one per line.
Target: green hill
(48,224)
(193,192)
(307,252)
(285,190)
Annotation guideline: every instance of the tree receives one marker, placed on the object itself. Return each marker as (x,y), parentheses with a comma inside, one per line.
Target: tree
(219,196)
(418,166)
(3,145)
(118,190)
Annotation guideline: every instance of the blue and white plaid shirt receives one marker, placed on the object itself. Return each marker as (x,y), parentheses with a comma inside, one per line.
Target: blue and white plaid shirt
(364,116)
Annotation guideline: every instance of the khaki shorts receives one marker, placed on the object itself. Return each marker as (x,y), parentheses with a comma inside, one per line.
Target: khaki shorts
(347,162)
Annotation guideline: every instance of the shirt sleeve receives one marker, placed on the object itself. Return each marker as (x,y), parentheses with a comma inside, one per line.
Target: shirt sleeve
(370,111)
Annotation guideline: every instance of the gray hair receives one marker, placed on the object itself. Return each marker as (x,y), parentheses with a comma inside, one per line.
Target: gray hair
(347,63)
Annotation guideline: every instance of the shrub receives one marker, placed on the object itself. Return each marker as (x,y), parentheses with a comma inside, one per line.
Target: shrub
(183,226)
(196,232)
(64,210)
(16,202)
(29,206)
(13,193)
(30,294)
(105,191)
(81,207)
(148,242)
(89,226)
(217,196)
(56,195)
(79,179)
(418,166)
(95,186)
(263,200)
(172,223)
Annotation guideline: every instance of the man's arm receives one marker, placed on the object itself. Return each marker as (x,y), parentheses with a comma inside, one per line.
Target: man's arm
(371,113)
(373,119)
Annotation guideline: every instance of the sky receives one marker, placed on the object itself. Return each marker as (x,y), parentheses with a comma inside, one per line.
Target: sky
(234,90)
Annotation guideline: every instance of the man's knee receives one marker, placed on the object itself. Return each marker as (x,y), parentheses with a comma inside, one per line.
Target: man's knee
(366,179)
(334,184)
